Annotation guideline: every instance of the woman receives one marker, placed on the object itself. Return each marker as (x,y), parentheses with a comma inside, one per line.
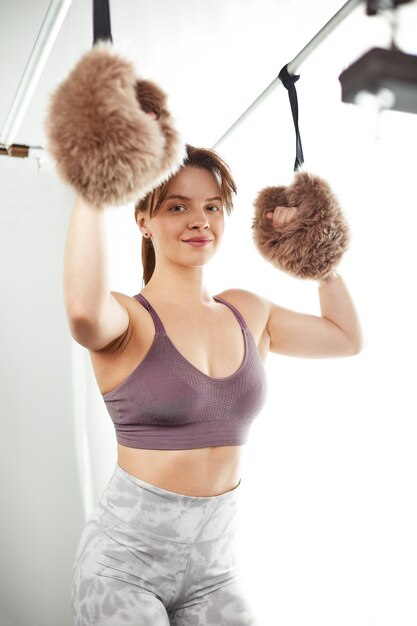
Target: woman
(182,389)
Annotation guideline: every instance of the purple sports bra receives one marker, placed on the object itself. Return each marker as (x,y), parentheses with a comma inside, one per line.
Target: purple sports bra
(168,404)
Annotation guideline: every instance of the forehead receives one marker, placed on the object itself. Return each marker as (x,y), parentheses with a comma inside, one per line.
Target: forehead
(194,182)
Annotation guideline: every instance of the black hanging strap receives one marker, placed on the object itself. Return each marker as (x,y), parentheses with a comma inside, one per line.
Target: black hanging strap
(289,81)
(101,21)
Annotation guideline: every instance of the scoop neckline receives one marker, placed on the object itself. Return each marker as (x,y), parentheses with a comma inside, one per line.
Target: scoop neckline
(242,365)
(242,328)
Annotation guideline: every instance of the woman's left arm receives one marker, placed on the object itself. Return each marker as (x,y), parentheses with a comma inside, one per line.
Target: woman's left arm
(336,333)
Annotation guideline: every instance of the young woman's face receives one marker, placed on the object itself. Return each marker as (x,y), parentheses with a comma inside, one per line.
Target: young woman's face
(193,207)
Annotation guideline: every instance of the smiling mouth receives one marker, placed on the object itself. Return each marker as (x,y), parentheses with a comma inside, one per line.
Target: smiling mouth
(198,239)
(197,242)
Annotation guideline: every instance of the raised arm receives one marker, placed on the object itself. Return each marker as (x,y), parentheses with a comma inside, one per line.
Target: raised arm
(336,333)
(96,318)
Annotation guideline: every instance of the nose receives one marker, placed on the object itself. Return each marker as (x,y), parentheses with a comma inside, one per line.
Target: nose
(199,220)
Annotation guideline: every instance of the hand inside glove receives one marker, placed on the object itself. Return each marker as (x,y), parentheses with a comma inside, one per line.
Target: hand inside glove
(300,228)
(282,215)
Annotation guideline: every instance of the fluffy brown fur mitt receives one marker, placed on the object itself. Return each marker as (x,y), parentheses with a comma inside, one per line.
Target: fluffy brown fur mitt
(103,142)
(312,244)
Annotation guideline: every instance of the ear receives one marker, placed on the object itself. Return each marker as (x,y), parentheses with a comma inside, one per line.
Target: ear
(141,219)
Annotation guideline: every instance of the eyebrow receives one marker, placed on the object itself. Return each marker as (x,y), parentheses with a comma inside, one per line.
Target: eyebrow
(179,197)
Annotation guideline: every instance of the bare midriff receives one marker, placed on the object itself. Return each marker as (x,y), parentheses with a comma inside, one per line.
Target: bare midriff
(198,472)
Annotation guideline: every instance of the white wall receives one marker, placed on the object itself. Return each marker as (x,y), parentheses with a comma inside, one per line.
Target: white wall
(41,510)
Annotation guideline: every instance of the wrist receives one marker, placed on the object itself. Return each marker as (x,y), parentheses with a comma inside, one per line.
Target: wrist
(329,277)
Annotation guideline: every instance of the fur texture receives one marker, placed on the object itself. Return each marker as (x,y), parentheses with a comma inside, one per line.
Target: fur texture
(312,244)
(99,135)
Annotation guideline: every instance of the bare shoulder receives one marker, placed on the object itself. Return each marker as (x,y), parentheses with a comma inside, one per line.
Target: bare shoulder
(123,298)
(116,361)
(254,308)
(247,299)
(120,343)
(130,303)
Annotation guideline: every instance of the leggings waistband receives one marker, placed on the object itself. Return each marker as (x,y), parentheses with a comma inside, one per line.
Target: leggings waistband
(167,514)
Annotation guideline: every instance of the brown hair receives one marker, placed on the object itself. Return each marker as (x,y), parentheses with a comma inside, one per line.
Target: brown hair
(203,158)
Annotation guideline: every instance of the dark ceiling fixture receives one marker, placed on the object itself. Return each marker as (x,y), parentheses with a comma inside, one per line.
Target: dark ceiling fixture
(373,7)
(389,75)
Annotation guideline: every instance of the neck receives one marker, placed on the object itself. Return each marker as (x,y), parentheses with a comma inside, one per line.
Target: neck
(179,283)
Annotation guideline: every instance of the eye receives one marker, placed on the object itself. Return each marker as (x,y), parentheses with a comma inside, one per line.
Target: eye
(179,206)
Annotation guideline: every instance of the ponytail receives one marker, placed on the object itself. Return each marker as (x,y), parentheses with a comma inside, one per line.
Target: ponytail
(148,259)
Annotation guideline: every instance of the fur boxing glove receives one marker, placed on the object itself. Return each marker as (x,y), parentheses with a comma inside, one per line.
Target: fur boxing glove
(99,134)
(311,244)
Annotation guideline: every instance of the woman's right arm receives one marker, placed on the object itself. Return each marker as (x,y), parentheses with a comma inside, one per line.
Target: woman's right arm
(96,318)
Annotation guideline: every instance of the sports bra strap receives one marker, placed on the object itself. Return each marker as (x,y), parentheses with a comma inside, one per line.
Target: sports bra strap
(159,327)
(234,309)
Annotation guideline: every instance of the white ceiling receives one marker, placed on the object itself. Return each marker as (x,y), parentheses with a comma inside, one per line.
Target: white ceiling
(213,57)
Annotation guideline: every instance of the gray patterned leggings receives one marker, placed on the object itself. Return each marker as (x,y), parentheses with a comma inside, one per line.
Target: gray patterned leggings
(152,557)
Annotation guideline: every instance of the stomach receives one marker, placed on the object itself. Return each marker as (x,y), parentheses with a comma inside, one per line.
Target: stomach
(199,472)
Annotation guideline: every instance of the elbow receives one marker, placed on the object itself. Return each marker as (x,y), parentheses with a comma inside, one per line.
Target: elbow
(82,329)
(81,313)
(78,318)
(77,323)
(355,350)
(356,346)
(80,321)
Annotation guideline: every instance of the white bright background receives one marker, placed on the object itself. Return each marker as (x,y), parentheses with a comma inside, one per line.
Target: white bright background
(327,501)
